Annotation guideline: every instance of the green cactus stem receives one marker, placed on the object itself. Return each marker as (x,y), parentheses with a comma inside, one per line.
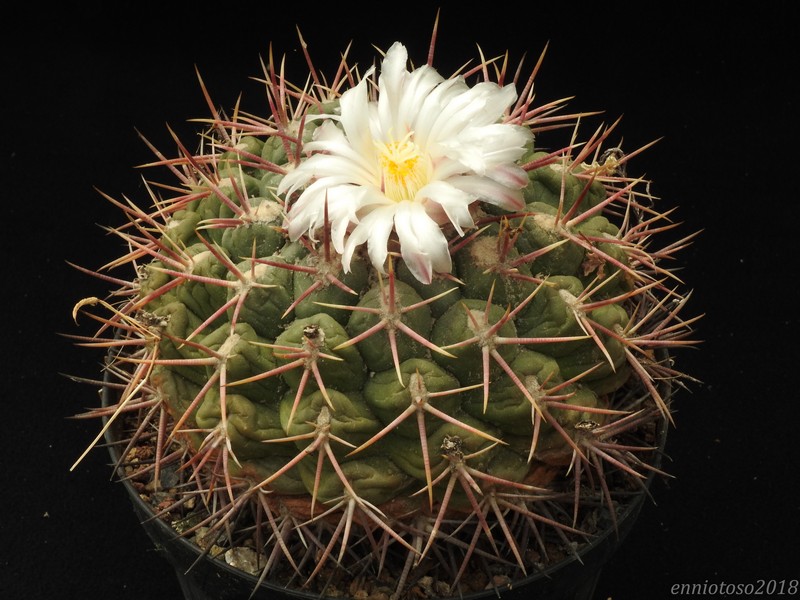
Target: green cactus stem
(345,376)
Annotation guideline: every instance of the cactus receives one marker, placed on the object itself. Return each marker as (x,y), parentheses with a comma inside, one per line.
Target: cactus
(369,332)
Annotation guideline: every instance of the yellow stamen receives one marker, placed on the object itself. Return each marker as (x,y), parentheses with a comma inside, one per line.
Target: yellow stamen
(404,169)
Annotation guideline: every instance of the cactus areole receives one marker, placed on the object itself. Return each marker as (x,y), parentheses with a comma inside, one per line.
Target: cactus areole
(390,333)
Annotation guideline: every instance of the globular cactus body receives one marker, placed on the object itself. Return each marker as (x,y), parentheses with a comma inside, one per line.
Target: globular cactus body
(366,389)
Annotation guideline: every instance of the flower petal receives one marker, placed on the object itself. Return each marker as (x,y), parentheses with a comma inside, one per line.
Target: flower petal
(481,148)
(354,104)
(422,243)
(374,229)
(453,201)
(489,191)
(419,86)
(390,86)
(426,121)
(509,175)
(476,106)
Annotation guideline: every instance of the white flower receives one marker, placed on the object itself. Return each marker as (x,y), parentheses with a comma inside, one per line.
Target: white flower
(407,162)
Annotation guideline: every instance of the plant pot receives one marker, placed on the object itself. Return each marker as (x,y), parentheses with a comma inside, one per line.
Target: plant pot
(203,577)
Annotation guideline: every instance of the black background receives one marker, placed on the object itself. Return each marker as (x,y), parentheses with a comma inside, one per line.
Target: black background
(717,87)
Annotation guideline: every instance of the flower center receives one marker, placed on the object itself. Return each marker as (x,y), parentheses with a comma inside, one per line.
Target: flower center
(404,169)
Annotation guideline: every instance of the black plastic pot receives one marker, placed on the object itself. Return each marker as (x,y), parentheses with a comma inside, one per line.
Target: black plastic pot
(210,578)
(205,578)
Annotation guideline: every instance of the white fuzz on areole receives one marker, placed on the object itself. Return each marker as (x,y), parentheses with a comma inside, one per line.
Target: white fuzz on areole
(406,162)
